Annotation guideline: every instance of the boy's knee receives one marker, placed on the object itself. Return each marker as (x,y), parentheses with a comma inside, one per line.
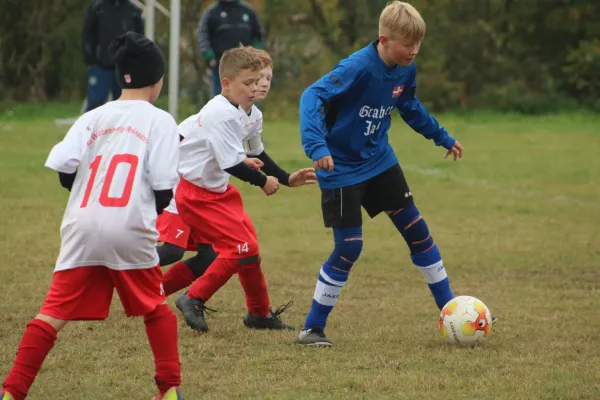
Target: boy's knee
(199,263)
(249,260)
(348,246)
(350,249)
(56,323)
(161,311)
(413,228)
(169,253)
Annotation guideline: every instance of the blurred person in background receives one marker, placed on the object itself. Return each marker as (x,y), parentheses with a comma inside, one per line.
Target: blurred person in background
(105,20)
(224,25)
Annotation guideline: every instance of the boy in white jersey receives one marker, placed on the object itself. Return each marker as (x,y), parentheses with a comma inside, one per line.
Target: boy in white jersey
(119,162)
(176,235)
(177,238)
(211,152)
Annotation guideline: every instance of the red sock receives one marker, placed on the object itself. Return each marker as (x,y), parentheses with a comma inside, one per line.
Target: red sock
(37,341)
(255,287)
(179,276)
(217,275)
(161,329)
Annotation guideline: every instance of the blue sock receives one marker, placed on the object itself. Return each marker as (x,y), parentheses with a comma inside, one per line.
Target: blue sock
(424,252)
(431,266)
(334,275)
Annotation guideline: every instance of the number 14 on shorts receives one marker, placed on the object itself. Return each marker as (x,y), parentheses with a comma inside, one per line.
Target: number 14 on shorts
(242,248)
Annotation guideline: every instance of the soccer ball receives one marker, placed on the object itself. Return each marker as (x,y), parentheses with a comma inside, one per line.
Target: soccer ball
(465,320)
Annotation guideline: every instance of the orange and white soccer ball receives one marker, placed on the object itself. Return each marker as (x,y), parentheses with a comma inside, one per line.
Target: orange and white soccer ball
(465,320)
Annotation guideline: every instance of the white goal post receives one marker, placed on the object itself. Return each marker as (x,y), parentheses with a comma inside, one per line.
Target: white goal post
(173,13)
(149,7)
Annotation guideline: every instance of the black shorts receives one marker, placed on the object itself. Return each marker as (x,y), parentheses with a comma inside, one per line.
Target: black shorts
(387,191)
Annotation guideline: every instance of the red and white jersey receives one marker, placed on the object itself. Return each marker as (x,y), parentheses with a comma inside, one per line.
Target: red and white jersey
(183,130)
(253,124)
(253,146)
(121,151)
(213,144)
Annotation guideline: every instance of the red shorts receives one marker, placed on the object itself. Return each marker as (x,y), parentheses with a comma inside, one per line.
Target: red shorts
(85,293)
(173,230)
(219,218)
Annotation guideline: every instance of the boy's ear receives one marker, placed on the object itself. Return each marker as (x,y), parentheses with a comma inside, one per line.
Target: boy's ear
(383,39)
(225,82)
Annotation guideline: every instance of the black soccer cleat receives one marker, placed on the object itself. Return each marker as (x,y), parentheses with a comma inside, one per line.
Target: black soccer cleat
(193,312)
(272,321)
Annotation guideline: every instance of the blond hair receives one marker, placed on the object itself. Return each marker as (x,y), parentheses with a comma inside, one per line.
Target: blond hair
(237,59)
(401,21)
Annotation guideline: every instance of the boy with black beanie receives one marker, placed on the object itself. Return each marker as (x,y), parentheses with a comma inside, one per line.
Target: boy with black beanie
(119,161)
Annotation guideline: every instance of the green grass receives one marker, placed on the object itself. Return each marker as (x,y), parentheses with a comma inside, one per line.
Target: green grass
(517,221)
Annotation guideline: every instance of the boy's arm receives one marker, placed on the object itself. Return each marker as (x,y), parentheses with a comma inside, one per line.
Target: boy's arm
(65,156)
(254,147)
(229,153)
(163,157)
(67,180)
(271,168)
(163,154)
(313,104)
(419,119)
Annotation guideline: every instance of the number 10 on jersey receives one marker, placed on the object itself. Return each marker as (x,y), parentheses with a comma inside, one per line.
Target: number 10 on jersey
(105,199)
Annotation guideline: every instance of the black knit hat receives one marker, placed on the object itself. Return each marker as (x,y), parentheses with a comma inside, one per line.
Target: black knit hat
(138,61)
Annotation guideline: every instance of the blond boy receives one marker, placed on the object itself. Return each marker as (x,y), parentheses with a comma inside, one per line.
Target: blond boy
(212,150)
(344,123)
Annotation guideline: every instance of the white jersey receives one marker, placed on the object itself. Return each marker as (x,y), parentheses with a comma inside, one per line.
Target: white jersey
(183,130)
(216,142)
(121,151)
(253,124)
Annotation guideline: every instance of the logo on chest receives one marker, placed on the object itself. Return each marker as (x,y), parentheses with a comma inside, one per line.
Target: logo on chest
(397,91)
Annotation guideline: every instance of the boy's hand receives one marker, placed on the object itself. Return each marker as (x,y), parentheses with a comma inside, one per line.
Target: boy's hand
(271,186)
(324,163)
(253,163)
(304,176)
(456,151)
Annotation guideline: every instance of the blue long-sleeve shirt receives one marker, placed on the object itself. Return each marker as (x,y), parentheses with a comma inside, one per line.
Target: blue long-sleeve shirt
(346,114)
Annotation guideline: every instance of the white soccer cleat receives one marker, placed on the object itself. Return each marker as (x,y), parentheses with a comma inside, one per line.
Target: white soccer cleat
(314,337)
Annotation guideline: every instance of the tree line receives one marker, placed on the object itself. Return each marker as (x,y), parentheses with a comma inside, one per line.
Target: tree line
(529,56)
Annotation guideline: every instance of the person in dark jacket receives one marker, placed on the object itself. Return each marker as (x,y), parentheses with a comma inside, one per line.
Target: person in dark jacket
(224,25)
(105,20)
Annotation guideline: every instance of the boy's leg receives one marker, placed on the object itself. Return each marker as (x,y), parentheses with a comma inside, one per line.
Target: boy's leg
(142,295)
(341,211)
(169,253)
(398,203)
(80,293)
(253,280)
(254,284)
(184,273)
(218,217)
(175,235)
(99,84)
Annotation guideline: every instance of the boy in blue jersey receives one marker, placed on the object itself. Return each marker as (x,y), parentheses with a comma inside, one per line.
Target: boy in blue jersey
(344,122)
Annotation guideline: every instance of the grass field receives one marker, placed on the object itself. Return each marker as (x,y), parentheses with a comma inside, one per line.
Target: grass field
(518,224)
